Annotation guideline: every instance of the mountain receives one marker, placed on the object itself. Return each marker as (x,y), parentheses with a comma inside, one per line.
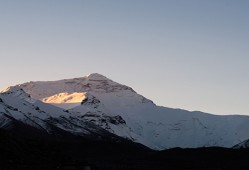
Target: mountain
(96,105)
(241,145)
(17,107)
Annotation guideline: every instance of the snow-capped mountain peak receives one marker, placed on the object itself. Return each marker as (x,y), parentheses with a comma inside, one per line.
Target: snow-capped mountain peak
(120,110)
(18,92)
(97,76)
(92,83)
(12,90)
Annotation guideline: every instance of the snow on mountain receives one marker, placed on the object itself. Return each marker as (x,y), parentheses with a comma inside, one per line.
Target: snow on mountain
(241,145)
(120,110)
(15,104)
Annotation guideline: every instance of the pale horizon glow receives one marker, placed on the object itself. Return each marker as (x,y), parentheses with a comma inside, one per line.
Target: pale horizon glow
(190,54)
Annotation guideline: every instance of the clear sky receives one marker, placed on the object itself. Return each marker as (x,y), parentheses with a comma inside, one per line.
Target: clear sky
(190,54)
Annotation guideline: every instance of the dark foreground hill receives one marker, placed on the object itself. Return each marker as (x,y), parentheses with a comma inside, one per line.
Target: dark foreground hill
(24,147)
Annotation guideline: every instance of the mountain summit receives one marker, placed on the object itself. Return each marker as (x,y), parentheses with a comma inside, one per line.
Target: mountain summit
(96,76)
(92,83)
(95,104)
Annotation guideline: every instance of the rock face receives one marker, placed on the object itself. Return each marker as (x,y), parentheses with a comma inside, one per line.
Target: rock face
(105,105)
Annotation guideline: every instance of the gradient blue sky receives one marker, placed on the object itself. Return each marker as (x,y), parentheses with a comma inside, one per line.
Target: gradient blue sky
(190,54)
